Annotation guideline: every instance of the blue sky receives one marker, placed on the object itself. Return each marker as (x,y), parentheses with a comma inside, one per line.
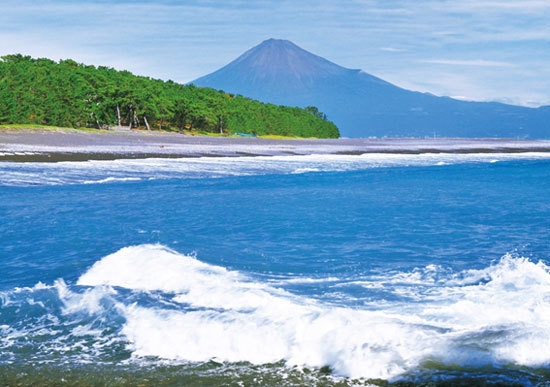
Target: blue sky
(471,49)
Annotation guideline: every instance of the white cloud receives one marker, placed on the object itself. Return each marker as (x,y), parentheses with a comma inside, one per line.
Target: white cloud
(475,62)
(404,42)
(392,49)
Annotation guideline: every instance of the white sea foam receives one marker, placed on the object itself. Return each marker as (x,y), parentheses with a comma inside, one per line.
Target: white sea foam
(305,170)
(111,180)
(88,301)
(498,315)
(102,171)
(54,320)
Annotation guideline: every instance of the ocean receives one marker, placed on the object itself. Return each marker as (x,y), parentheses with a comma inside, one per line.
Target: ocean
(371,269)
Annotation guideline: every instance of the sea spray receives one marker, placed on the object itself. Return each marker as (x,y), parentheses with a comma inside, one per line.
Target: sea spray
(213,313)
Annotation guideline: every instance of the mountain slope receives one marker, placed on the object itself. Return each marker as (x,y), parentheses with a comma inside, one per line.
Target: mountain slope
(362,105)
(279,67)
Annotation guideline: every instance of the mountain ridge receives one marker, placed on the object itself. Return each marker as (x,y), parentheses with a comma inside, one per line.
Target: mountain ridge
(363,105)
(278,60)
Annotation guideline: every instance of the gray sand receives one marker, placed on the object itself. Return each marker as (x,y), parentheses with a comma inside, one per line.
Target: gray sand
(35,145)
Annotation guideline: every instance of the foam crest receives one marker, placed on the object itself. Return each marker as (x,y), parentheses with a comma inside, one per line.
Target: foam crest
(494,316)
(157,268)
(498,315)
(514,290)
(149,267)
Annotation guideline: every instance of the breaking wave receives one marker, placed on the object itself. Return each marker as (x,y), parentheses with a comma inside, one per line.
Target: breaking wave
(150,301)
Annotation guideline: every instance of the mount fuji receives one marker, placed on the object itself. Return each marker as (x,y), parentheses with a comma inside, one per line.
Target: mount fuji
(362,105)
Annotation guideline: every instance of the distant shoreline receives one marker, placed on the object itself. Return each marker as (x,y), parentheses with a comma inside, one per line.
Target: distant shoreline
(73,145)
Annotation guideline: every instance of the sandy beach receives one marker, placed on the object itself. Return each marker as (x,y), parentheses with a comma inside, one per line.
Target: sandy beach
(73,145)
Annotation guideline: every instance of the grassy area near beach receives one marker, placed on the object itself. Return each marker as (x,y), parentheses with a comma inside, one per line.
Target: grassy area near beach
(44,128)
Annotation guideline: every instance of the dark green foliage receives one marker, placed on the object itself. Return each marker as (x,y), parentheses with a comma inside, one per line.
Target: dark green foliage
(313,110)
(43,92)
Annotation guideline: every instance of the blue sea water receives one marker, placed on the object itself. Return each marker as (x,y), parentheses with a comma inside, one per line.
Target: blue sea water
(277,270)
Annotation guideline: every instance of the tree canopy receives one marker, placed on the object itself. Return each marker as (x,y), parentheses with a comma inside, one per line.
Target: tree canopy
(67,93)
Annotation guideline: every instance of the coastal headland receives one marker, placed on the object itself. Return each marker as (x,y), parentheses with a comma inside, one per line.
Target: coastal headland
(73,145)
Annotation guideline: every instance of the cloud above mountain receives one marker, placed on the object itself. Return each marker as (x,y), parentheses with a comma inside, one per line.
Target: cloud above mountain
(405,42)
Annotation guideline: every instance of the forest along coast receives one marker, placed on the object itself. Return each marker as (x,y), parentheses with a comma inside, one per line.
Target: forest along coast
(69,94)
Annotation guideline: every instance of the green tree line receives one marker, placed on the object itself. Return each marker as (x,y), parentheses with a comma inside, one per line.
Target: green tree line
(70,94)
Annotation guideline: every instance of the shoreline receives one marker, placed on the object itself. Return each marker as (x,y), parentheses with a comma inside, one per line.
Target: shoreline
(73,145)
